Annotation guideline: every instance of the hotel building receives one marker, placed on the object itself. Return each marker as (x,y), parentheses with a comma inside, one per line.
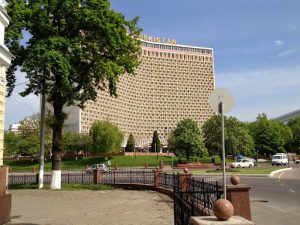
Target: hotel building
(5,59)
(173,82)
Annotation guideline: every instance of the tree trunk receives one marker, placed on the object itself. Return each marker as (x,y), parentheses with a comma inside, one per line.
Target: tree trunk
(57,143)
(188,154)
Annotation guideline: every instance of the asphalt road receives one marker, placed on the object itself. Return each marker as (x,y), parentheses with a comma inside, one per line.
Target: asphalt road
(276,200)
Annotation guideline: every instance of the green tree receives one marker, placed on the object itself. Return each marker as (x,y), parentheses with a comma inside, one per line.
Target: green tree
(11,141)
(130,146)
(155,145)
(76,142)
(29,145)
(74,49)
(185,140)
(106,137)
(285,133)
(294,125)
(266,136)
(237,137)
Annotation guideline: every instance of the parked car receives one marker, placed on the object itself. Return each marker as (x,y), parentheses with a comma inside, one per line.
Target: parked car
(242,163)
(101,167)
(280,159)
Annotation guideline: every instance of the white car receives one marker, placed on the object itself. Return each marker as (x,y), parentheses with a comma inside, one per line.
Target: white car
(242,163)
(280,159)
(101,167)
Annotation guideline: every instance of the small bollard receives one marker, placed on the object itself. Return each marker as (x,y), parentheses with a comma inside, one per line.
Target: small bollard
(116,166)
(161,165)
(33,169)
(146,165)
(87,166)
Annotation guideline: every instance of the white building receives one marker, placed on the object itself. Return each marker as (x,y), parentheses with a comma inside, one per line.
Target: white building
(5,59)
(14,127)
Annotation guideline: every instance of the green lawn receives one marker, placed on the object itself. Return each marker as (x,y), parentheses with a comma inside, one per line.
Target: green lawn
(80,164)
(254,170)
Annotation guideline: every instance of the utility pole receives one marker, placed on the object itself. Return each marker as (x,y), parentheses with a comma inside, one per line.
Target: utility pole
(42,141)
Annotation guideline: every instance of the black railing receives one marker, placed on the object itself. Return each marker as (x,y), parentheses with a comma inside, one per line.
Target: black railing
(194,198)
(66,178)
(166,180)
(202,193)
(128,177)
(197,200)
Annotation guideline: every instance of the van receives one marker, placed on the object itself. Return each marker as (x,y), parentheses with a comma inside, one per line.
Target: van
(279,159)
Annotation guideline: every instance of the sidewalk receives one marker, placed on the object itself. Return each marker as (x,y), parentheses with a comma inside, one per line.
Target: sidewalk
(115,207)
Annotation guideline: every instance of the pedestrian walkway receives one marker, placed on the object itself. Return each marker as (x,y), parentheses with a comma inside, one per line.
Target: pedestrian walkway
(126,207)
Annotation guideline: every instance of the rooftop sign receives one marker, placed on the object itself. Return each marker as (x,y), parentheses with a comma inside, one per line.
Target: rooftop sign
(158,39)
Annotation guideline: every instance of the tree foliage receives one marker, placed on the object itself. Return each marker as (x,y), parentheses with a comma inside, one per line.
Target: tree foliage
(185,140)
(106,137)
(155,145)
(130,146)
(17,144)
(75,142)
(74,49)
(11,143)
(294,125)
(267,136)
(237,137)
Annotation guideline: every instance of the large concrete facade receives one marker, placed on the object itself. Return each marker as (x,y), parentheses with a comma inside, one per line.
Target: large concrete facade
(173,82)
(288,116)
(5,59)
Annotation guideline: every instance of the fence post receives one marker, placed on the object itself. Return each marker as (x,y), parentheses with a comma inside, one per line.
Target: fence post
(161,165)
(5,198)
(37,178)
(157,177)
(183,177)
(238,195)
(96,176)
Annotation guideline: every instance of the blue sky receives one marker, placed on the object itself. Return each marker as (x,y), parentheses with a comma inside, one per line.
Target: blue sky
(256,49)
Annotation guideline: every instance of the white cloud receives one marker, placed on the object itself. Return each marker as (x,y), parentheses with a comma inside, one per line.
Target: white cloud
(287,52)
(274,92)
(278,43)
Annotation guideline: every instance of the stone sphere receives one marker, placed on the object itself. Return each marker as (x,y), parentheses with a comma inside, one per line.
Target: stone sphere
(223,209)
(185,170)
(235,180)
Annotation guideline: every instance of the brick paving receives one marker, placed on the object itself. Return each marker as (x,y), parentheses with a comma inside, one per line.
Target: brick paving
(116,207)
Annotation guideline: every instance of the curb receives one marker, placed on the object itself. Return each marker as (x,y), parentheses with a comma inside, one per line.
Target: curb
(278,171)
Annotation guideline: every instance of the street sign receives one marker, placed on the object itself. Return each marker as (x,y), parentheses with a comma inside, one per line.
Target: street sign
(221,95)
(221,102)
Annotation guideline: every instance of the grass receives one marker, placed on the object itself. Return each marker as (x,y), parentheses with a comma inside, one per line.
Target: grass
(254,170)
(64,187)
(80,164)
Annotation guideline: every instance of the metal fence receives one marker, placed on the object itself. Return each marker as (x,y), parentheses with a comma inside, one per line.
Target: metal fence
(197,200)
(66,178)
(203,193)
(166,180)
(128,177)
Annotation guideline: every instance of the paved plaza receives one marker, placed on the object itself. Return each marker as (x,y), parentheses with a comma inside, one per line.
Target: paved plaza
(126,207)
